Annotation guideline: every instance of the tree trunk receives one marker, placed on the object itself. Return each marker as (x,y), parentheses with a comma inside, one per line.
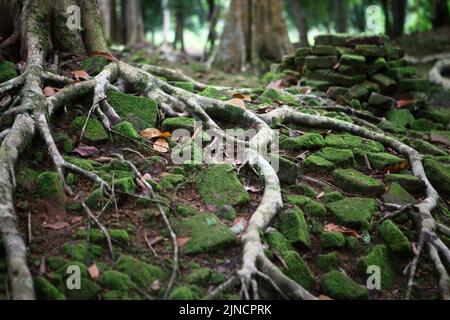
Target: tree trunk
(301,21)
(341,15)
(166,23)
(440,14)
(255,31)
(399,17)
(213,18)
(359,12)
(179,28)
(387,17)
(106,9)
(135,23)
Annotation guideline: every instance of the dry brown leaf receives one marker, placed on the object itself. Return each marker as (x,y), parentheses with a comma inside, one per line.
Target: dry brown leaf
(324,297)
(236,102)
(85,150)
(404,103)
(397,168)
(80,75)
(94,272)
(161,145)
(56,225)
(155,286)
(182,241)
(105,55)
(165,135)
(320,195)
(245,97)
(150,133)
(331,227)
(49,91)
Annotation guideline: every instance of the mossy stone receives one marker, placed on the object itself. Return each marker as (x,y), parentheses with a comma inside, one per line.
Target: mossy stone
(85,164)
(213,93)
(330,240)
(337,285)
(298,270)
(423,125)
(340,157)
(96,236)
(303,189)
(184,293)
(49,186)
(94,131)
(206,232)
(427,148)
(401,117)
(332,196)
(144,109)
(82,252)
(354,181)
(200,276)
(65,141)
(8,71)
(372,146)
(394,238)
(343,141)
(172,124)
(397,195)
(315,209)
(439,175)
(354,212)
(188,86)
(327,262)
(96,199)
(126,129)
(115,295)
(88,291)
(56,263)
(382,160)
(141,273)
(300,201)
(94,65)
(278,242)
(226,212)
(409,182)
(219,185)
(353,245)
(275,95)
(306,141)
(318,165)
(126,185)
(379,257)
(115,280)
(288,171)
(294,226)
(47,291)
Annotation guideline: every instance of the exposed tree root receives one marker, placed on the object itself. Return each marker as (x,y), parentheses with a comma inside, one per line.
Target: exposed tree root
(436,72)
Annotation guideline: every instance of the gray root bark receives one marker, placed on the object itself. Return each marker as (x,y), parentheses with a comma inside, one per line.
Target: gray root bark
(436,73)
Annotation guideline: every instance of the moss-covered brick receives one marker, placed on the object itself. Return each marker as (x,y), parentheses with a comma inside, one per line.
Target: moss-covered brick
(343,141)
(401,72)
(298,270)
(8,71)
(96,199)
(370,50)
(378,257)
(275,95)
(401,117)
(386,84)
(321,62)
(372,146)
(82,251)
(394,238)
(423,125)
(49,186)
(331,196)
(337,285)
(328,262)
(409,182)
(288,171)
(439,175)
(354,212)
(126,129)
(397,63)
(206,232)
(297,200)
(96,236)
(391,127)
(219,185)
(294,226)
(303,52)
(315,209)
(306,141)
(47,291)
(382,160)
(184,293)
(433,115)
(126,185)
(141,273)
(427,148)
(115,280)
(357,61)
(381,101)
(353,245)
(317,164)
(115,295)
(340,157)
(354,181)
(278,242)
(378,65)
(397,195)
(330,240)
(213,93)
(303,189)
(145,110)
(94,131)
(345,80)
(335,92)
(94,65)
(324,50)
(413,84)
(171,124)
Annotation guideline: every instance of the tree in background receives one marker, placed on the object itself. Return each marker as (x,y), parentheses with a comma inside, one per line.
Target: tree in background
(134,23)
(214,10)
(341,15)
(254,31)
(441,16)
(298,9)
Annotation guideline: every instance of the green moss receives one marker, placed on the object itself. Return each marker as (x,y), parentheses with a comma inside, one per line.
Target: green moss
(65,141)
(340,157)
(186,211)
(427,148)
(49,186)
(300,201)
(188,86)
(332,197)
(298,270)
(206,232)
(379,257)
(439,175)
(278,242)
(85,164)
(354,212)
(63,270)
(337,285)
(126,129)
(145,110)
(401,117)
(82,251)
(379,161)
(88,291)
(408,181)
(96,200)
(199,276)
(114,295)
(315,209)
(354,181)
(330,240)
(141,273)
(184,293)
(275,95)
(372,146)
(94,65)
(317,164)
(303,189)
(96,236)
(115,280)
(174,179)
(46,291)
(294,226)
(26,177)
(219,185)
(353,245)
(126,185)
(94,131)
(397,195)
(287,170)
(213,93)
(8,70)
(423,125)
(306,141)
(327,262)
(394,238)
(226,212)
(56,263)
(171,124)
(343,141)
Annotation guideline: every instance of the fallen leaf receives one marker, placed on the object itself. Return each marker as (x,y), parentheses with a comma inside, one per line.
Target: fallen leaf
(80,75)
(105,55)
(182,241)
(155,286)
(331,227)
(253,189)
(397,168)
(320,195)
(147,177)
(56,226)
(94,272)
(236,102)
(42,267)
(279,84)
(305,90)
(245,97)
(104,159)
(150,133)
(161,145)
(165,135)
(324,297)
(85,150)
(154,240)
(49,91)
(404,103)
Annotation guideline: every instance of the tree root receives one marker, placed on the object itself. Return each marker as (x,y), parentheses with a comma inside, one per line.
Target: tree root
(436,76)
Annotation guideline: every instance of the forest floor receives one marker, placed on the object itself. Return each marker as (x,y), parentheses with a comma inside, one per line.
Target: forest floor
(209,208)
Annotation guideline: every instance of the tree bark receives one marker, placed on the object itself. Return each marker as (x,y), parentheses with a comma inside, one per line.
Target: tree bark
(179,28)
(301,21)
(135,23)
(105,9)
(255,31)
(213,18)
(441,16)
(399,17)
(341,15)
(387,17)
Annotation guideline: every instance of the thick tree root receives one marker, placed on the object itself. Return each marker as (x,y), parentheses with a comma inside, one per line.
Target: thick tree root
(436,72)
